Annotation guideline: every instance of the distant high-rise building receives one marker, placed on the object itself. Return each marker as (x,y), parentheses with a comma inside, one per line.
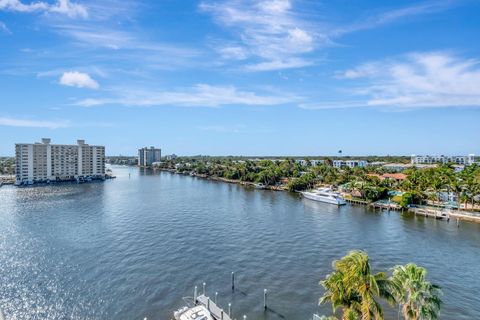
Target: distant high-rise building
(45,162)
(148,156)
(171,157)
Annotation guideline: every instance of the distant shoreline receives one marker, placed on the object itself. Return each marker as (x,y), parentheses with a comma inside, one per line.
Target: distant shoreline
(214,178)
(460,216)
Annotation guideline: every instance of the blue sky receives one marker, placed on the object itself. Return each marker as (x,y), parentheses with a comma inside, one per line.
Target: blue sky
(232,77)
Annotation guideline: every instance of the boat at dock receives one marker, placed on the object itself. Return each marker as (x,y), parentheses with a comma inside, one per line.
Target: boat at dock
(198,313)
(202,308)
(325,195)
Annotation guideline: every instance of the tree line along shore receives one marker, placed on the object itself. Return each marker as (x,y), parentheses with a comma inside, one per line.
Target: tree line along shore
(440,186)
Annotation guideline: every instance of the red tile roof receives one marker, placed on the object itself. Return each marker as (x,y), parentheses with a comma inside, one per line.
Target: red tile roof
(395,176)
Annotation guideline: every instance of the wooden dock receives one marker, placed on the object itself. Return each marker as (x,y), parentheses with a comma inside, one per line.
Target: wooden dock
(431,213)
(216,311)
(385,206)
(465,215)
(356,201)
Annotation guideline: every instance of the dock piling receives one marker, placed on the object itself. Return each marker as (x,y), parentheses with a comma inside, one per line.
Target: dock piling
(216,296)
(204,284)
(233,281)
(229,309)
(195,294)
(265,299)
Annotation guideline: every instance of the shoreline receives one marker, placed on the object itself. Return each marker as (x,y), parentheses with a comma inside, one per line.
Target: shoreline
(459,215)
(232,181)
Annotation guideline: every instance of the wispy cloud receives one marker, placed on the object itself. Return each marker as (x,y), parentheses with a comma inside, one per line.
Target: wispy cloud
(63,7)
(117,39)
(417,80)
(289,63)
(28,123)
(79,80)
(390,16)
(268,31)
(201,95)
(4,28)
(275,35)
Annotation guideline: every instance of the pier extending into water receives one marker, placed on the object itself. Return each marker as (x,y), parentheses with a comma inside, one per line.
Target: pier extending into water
(217,312)
(383,205)
(431,213)
(356,201)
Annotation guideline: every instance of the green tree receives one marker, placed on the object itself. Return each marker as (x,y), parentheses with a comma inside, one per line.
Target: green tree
(302,183)
(407,199)
(353,288)
(419,299)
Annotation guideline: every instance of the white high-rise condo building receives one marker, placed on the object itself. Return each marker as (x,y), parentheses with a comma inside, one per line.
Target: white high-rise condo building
(462,160)
(45,162)
(148,156)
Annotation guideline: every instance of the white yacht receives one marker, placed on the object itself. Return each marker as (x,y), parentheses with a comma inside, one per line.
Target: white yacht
(198,312)
(324,195)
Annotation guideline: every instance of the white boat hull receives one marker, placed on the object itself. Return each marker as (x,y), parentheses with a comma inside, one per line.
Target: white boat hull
(331,200)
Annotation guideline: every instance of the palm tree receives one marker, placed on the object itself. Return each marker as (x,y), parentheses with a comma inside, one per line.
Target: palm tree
(355,289)
(419,298)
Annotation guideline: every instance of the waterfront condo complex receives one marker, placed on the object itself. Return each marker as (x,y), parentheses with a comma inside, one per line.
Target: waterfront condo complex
(461,160)
(45,162)
(148,156)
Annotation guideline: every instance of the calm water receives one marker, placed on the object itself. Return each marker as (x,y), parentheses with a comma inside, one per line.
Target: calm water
(133,247)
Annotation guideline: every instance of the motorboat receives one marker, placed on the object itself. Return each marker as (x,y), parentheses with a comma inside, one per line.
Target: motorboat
(325,195)
(260,186)
(198,312)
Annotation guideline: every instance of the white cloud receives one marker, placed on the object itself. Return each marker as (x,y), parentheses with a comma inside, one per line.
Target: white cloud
(69,9)
(17,5)
(365,70)
(394,15)
(201,95)
(418,80)
(65,7)
(13,122)
(131,48)
(78,79)
(275,6)
(233,52)
(272,34)
(268,31)
(279,64)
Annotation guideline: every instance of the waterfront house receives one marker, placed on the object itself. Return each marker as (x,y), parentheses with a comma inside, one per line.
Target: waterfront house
(349,163)
(392,176)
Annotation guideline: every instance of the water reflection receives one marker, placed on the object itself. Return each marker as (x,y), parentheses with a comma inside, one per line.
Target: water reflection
(132,247)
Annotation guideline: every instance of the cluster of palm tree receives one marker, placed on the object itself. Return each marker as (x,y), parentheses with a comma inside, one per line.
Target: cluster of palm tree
(7,166)
(357,292)
(421,184)
(267,172)
(428,184)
